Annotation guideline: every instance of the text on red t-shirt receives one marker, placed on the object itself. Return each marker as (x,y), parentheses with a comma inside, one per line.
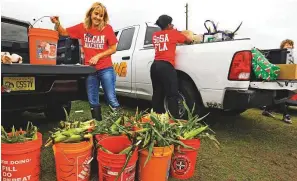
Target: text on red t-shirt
(94,42)
(165,44)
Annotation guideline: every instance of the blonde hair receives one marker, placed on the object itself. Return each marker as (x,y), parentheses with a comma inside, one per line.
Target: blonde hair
(287,41)
(88,20)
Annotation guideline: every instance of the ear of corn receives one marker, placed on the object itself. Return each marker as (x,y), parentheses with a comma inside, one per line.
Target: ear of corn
(72,132)
(73,139)
(35,133)
(59,138)
(88,136)
(139,138)
(114,125)
(191,134)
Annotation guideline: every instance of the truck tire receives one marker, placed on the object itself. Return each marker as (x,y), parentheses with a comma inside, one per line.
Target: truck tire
(189,94)
(55,112)
(192,97)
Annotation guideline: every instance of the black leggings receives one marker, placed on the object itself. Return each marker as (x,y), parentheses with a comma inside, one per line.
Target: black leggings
(165,83)
(283,108)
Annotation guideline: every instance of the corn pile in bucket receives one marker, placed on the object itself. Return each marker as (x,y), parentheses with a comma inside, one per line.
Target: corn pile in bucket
(157,137)
(20,153)
(146,146)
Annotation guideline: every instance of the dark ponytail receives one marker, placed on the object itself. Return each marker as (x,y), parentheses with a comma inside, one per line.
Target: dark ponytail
(163,21)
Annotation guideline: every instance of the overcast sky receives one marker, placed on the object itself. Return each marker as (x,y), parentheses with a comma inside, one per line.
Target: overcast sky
(267,22)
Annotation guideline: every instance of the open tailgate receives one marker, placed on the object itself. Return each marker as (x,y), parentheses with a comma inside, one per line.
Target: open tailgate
(276,85)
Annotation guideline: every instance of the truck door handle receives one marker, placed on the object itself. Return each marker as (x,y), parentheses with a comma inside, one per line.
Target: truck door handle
(126,58)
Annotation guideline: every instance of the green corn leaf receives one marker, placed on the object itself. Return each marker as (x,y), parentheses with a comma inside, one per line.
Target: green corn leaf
(176,142)
(156,121)
(160,136)
(150,150)
(188,110)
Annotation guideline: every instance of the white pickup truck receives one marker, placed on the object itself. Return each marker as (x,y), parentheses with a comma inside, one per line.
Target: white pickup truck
(215,75)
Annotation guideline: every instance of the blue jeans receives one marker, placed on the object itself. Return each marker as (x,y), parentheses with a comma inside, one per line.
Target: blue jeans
(107,78)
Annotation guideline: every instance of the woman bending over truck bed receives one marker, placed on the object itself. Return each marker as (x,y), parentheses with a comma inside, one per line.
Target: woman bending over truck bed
(163,74)
(99,43)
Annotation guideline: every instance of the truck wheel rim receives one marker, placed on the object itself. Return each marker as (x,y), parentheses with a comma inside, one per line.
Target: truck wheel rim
(181,108)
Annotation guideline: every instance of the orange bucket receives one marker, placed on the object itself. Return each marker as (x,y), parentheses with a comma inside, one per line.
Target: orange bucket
(184,162)
(111,164)
(43,46)
(99,137)
(21,161)
(73,160)
(157,168)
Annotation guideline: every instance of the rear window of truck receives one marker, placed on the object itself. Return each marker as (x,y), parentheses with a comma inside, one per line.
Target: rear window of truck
(149,33)
(13,32)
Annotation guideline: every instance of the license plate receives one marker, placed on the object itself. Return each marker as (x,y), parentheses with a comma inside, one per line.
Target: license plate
(19,83)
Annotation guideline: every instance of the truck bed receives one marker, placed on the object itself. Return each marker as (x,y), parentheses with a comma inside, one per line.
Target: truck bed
(27,69)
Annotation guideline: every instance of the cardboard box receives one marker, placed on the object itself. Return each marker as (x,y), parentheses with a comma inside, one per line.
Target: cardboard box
(287,71)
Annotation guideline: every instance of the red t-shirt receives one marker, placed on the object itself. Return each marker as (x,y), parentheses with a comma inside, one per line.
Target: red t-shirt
(165,44)
(94,42)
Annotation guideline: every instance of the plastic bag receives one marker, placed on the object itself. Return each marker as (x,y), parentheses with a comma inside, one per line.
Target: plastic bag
(214,35)
(263,69)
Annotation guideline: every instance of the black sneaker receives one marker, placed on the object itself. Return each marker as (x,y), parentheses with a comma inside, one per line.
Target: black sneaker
(268,114)
(287,119)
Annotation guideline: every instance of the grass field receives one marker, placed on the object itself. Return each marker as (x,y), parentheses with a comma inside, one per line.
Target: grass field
(254,147)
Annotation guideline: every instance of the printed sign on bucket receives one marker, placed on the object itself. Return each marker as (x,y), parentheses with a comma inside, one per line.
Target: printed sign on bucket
(84,173)
(181,164)
(109,174)
(46,50)
(18,170)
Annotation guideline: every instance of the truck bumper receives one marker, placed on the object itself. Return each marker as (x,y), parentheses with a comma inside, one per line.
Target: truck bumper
(292,103)
(61,91)
(53,85)
(244,99)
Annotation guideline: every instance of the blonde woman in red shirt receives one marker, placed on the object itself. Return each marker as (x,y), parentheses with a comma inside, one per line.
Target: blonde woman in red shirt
(163,74)
(98,43)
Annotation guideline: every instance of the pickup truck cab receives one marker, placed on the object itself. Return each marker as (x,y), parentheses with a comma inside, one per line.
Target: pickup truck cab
(40,88)
(216,75)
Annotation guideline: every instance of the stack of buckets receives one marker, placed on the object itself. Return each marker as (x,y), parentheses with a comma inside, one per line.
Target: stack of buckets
(21,161)
(163,162)
(43,46)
